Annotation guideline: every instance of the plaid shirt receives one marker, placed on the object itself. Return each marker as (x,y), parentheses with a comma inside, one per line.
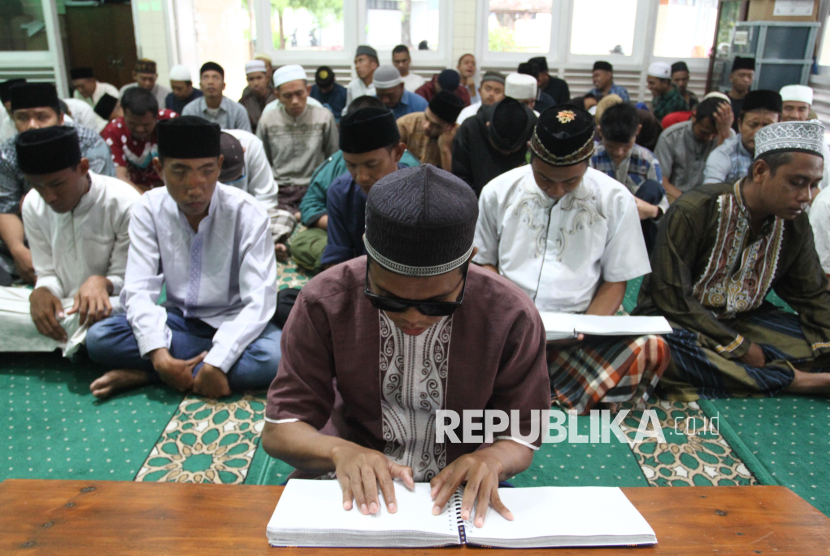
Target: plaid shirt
(638,167)
(12,184)
(672,101)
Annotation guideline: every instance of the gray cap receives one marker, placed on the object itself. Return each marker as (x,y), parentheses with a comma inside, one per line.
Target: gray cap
(386,77)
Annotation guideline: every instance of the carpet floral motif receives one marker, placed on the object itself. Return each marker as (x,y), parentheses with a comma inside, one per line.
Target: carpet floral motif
(207,441)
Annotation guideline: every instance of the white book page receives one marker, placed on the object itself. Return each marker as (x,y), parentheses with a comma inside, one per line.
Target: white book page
(558,326)
(562,511)
(621,326)
(318,505)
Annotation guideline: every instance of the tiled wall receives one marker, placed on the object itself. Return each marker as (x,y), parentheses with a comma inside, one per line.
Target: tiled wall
(464,28)
(151,34)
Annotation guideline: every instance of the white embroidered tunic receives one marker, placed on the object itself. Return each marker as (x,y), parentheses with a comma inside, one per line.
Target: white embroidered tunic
(413,375)
(559,252)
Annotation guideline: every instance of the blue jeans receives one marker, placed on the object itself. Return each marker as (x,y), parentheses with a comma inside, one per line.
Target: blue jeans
(111,342)
(651,191)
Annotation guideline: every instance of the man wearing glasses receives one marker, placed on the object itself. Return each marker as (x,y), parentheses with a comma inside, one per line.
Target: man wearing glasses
(374,347)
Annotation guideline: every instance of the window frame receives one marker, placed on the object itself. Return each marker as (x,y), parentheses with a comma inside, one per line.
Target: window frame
(354,25)
(37,64)
(558,9)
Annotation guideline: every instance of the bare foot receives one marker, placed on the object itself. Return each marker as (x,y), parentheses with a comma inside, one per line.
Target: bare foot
(117,380)
(811,384)
(281,251)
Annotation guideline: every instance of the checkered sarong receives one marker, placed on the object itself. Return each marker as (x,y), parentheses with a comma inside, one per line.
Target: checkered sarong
(602,369)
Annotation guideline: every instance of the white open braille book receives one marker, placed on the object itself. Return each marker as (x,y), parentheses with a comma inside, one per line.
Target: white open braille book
(560,326)
(310,513)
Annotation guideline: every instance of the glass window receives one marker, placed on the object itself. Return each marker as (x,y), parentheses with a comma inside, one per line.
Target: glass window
(22,26)
(685,28)
(415,23)
(602,27)
(307,24)
(519,26)
(230,19)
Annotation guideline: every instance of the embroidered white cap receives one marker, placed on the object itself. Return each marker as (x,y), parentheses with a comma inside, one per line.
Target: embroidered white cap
(520,86)
(254,66)
(790,137)
(717,94)
(798,93)
(291,72)
(180,73)
(660,70)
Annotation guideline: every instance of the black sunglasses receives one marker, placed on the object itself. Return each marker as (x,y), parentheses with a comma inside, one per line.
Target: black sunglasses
(428,308)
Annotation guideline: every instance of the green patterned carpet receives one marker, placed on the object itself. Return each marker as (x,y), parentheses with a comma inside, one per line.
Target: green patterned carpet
(54,428)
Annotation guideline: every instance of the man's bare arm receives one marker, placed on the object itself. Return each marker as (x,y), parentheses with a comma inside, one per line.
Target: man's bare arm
(607,300)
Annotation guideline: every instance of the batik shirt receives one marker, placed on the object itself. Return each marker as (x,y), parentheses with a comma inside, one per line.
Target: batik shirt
(489,354)
(621,92)
(560,252)
(709,268)
(13,186)
(134,155)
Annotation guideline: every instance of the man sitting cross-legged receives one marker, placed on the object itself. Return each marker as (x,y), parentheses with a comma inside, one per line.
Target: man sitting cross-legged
(376,346)
(210,244)
(76,223)
(720,249)
(569,236)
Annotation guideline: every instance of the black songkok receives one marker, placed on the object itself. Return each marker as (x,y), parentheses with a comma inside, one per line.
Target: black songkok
(144,65)
(6,88)
(233,163)
(743,64)
(212,66)
(47,150)
(679,66)
(81,73)
(188,137)
(511,124)
(605,66)
(34,95)
(564,135)
(447,106)
(368,129)
(105,106)
(762,100)
(420,221)
(540,61)
(324,77)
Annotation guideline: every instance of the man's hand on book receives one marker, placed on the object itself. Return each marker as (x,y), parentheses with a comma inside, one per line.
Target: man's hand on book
(360,471)
(481,472)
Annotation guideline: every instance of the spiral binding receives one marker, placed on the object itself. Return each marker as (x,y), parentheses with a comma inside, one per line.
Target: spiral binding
(455,502)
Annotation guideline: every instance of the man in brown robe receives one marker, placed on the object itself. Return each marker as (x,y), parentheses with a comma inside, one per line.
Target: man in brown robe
(375,346)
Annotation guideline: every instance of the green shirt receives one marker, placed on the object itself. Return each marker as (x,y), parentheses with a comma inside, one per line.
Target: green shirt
(313,205)
(670,102)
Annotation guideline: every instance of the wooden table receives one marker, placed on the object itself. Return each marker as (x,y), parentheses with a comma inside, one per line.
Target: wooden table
(103,518)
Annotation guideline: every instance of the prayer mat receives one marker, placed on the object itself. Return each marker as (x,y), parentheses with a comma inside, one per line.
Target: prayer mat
(695,452)
(53,427)
(207,441)
(784,441)
(289,273)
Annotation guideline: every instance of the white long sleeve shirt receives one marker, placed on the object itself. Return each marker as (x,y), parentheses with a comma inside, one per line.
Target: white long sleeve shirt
(259,178)
(91,240)
(225,274)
